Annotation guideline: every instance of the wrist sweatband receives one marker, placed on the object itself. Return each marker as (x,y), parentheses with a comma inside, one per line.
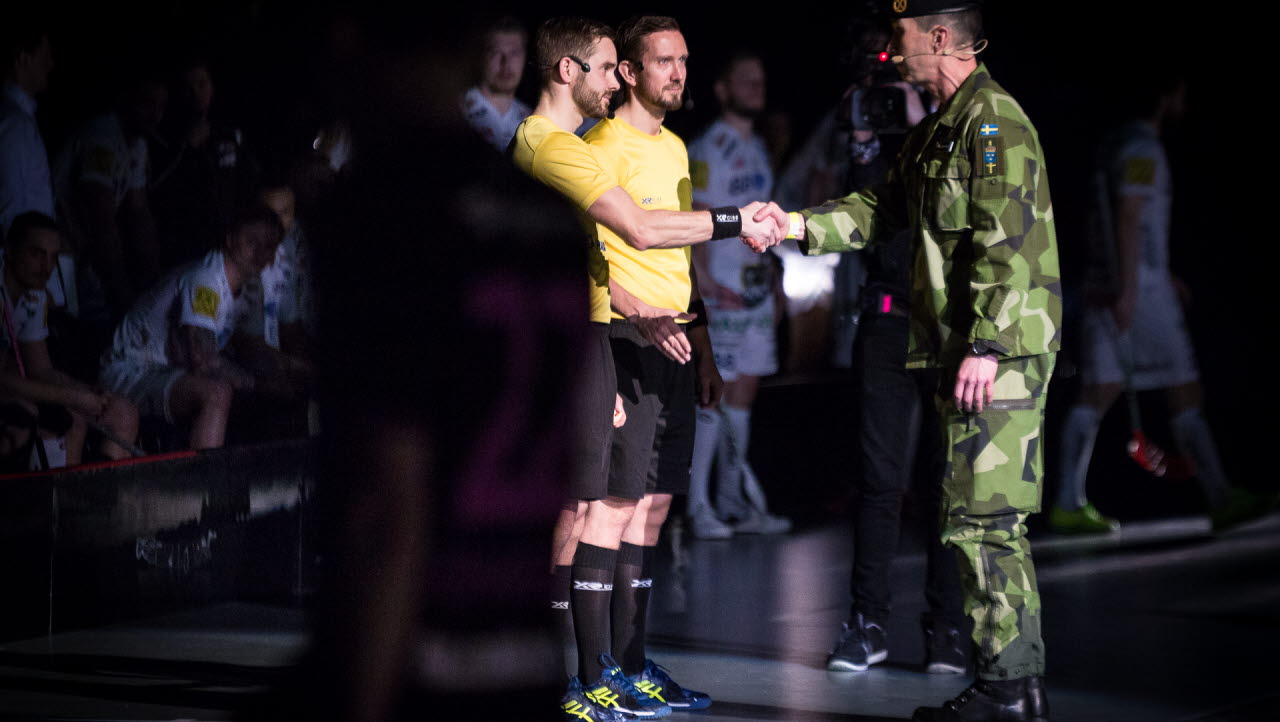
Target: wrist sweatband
(726,222)
(699,308)
(796,225)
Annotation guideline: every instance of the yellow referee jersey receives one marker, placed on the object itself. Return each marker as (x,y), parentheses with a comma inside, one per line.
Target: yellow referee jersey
(563,162)
(654,169)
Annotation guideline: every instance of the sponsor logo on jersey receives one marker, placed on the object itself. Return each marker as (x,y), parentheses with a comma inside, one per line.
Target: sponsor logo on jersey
(205,302)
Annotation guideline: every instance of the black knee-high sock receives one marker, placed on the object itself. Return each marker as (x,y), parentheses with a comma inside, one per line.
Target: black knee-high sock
(593,570)
(561,583)
(631,589)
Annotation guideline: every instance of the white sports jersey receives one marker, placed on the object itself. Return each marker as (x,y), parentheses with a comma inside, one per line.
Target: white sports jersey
(282,295)
(729,170)
(1138,167)
(29,315)
(496,128)
(195,295)
(101,154)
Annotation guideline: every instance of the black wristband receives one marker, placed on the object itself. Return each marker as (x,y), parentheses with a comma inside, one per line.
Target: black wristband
(726,222)
(699,308)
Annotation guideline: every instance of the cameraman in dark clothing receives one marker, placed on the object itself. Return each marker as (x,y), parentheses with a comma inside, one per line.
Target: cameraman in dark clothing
(897,428)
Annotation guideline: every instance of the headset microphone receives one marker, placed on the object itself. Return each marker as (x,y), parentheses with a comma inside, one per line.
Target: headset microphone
(977,48)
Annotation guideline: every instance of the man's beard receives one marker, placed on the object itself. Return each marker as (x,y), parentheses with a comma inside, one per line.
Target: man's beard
(590,104)
(660,100)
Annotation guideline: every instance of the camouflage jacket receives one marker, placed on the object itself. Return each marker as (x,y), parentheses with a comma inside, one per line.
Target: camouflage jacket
(971,183)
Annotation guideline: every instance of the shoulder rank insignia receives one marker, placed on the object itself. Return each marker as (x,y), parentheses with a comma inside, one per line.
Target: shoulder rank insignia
(990,158)
(989,129)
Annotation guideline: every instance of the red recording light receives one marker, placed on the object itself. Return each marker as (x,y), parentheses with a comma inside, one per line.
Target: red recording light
(884,57)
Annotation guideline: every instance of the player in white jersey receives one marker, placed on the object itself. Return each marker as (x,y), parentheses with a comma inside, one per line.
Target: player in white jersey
(491,106)
(166,355)
(278,305)
(1134,332)
(27,374)
(729,165)
(100,186)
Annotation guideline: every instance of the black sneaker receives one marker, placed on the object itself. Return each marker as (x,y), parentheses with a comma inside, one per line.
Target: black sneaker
(862,643)
(946,651)
(1014,700)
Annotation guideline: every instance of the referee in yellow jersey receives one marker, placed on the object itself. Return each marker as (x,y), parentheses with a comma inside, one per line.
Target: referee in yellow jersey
(577,60)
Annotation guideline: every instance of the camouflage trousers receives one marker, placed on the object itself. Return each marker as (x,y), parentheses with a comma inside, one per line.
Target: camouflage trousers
(992,483)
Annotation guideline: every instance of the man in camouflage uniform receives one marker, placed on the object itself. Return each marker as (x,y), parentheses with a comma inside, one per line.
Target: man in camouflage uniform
(986,308)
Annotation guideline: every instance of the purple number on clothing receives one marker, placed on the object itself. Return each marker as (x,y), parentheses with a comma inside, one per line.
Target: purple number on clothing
(515,472)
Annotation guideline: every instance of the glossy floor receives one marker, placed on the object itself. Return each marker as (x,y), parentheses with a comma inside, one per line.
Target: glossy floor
(1159,622)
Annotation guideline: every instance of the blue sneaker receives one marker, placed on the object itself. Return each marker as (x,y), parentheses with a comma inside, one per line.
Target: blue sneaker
(655,682)
(615,692)
(577,707)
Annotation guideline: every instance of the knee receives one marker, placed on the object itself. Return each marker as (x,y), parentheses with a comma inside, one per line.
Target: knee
(659,508)
(613,514)
(121,416)
(216,395)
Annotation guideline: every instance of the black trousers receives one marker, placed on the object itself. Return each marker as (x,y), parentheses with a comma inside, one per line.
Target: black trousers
(901,447)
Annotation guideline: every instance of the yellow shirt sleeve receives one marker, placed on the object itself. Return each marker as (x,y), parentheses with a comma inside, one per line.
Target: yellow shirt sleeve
(572,168)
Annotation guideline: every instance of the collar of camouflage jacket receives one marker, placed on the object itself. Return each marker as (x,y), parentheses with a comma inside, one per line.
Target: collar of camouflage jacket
(949,113)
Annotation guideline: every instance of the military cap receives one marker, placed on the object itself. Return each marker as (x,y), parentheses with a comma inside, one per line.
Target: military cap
(921,8)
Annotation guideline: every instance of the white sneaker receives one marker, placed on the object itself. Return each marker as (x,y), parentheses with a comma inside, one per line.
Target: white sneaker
(762,522)
(703,524)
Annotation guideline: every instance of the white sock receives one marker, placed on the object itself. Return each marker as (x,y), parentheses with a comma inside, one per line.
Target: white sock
(55,450)
(705,442)
(1078,435)
(730,500)
(1195,440)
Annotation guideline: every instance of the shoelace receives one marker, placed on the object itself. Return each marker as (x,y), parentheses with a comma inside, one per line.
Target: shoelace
(964,697)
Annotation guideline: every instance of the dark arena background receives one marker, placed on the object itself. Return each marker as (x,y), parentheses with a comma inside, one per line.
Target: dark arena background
(213,585)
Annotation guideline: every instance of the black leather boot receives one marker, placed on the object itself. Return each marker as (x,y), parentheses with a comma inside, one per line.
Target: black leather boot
(1014,700)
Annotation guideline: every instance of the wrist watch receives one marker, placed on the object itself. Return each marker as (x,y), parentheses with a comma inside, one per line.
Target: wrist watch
(981,348)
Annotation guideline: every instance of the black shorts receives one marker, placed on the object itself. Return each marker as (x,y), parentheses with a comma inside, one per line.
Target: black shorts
(652,452)
(594,423)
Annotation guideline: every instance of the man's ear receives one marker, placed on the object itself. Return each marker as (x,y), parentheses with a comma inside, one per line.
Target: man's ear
(563,71)
(627,73)
(941,37)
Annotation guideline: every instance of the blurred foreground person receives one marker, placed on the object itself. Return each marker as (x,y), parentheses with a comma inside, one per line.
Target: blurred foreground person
(449,393)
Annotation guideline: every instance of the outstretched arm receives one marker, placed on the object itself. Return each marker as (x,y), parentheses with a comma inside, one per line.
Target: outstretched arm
(644,229)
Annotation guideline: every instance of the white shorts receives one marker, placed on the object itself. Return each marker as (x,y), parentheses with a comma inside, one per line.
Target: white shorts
(148,387)
(1157,342)
(744,341)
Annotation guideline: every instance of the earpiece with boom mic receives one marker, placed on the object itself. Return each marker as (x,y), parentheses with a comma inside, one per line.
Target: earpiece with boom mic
(977,48)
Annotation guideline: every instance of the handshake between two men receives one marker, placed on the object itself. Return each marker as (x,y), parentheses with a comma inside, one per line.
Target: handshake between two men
(765,225)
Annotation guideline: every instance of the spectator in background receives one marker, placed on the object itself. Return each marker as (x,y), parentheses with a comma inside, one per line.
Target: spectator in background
(491,106)
(200,170)
(167,354)
(100,182)
(24,164)
(288,281)
(270,336)
(730,165)
(27,374)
